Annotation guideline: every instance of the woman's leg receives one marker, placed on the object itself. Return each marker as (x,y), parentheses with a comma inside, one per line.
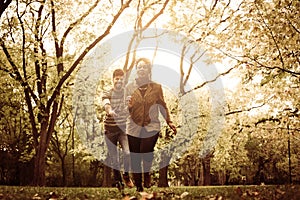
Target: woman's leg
(136,166)
(147,148)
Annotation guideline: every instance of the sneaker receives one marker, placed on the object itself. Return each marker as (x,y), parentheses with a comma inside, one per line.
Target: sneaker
(119,185)
(128,181)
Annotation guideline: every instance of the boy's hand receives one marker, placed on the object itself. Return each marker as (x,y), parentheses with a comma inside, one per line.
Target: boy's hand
(112,113)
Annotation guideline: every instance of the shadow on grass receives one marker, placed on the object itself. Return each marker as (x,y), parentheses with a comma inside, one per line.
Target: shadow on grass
(266,192)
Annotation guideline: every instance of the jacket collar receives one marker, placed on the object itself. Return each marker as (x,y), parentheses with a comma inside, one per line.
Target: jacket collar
(149,88)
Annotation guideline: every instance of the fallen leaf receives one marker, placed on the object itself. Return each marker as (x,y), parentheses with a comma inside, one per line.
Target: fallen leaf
(146,195)
(36,197)
(220,198)
(183,195)
(126,197)
(133,198)
(255,193)
(53,196)
(280,191)
(239,191)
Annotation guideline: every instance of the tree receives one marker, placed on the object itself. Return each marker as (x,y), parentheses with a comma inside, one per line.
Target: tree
(262,38)
(30,28)
(269,59)
(201,21)
(3,5)
(147,13)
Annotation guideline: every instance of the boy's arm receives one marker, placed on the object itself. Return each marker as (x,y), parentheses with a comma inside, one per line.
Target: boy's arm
(106,104)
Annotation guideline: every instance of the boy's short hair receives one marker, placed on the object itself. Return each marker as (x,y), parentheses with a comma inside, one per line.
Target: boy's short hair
(118,72)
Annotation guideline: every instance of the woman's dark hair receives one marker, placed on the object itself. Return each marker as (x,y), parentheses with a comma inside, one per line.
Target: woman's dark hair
(143,60)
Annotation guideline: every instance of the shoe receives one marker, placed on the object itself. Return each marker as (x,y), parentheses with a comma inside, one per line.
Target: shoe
(139,188)
(119,185)
(128,181)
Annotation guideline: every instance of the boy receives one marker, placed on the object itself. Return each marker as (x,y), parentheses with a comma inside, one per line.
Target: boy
(114,126)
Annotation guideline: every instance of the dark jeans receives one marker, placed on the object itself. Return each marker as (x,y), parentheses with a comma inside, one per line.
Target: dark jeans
(112,139)
(141,149)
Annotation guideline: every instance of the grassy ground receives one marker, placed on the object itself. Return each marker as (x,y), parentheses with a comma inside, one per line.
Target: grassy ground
(282,192)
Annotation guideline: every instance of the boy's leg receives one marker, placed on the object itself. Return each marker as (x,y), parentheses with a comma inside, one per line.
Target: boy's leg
(126,155)
(111,139)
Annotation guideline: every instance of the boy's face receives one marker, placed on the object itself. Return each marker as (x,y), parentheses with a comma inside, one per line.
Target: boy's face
(118,82)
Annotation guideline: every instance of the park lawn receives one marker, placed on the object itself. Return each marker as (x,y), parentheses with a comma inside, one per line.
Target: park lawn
(266,192)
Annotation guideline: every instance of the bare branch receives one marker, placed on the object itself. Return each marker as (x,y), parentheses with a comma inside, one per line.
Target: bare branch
(192,62)
(292,25)
(214,5)
(78,21)
(244,110)
(23,42)
(240,59)
(272,119)
(210,81)
(16,72)
(137,36)
(274,67)
(83,54)
(156,15)
(249,109)
(272,35)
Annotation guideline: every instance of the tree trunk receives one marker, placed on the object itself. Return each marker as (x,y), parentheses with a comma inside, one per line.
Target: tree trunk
(163,177)
(163,172)
(63,170)
(94,168)
(206,170)
(26,172)
(39,178)
(107,179)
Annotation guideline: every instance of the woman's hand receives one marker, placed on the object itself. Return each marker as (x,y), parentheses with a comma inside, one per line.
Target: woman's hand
(129,101)
(173,127)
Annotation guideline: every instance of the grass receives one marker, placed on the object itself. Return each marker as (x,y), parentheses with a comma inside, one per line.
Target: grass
(266,192)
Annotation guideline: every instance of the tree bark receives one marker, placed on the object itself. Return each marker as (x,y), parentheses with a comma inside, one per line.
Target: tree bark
(206,170)
(163,177)
(39,178)
(63,169)
(163,172)
(107,179)
(48,111)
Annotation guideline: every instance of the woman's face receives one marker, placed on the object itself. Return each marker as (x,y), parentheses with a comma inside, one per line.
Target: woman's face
(143,70)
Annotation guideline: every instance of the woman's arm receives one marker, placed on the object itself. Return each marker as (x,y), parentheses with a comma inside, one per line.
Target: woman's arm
(164,110)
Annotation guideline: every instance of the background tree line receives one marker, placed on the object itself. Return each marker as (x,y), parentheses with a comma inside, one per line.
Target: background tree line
(257,42)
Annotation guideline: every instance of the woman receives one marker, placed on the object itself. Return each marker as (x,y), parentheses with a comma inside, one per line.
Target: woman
(145,100)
